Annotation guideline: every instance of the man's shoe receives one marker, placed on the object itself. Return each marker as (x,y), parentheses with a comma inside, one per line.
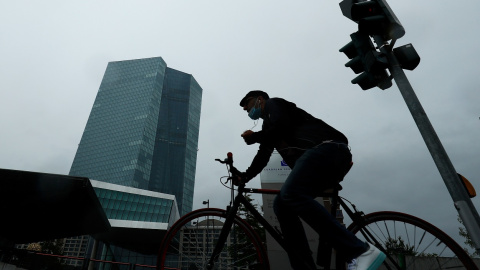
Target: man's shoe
(369,260)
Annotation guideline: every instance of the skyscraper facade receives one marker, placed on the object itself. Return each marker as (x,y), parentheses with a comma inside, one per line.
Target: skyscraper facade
(143,130)
(142,133)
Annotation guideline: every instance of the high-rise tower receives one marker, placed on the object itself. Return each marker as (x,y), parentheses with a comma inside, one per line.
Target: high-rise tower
(142,133)
(143,130)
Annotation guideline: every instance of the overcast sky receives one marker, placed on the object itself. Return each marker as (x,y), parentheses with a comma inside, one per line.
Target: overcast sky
(53,55)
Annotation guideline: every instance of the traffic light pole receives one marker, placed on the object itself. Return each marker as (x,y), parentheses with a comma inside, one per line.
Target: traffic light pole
(462,201)
(375,18)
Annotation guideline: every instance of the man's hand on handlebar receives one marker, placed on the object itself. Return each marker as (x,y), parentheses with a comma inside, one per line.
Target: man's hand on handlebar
(238,178)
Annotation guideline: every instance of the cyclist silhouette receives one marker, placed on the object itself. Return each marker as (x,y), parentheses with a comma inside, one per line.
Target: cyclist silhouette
(319,157)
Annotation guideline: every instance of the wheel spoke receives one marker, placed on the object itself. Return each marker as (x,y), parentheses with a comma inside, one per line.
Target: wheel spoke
(190,242)
(413,243)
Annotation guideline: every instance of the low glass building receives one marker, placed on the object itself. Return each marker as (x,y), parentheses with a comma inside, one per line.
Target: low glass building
(138,219)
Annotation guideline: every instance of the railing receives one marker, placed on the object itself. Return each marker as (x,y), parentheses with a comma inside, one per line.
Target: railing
(32,260)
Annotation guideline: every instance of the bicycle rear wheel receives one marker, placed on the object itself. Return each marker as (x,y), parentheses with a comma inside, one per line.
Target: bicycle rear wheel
(191,240)
(410,243)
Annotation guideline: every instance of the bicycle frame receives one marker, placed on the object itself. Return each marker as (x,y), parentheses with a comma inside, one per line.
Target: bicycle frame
(232,210)
(240,199)
(355,215)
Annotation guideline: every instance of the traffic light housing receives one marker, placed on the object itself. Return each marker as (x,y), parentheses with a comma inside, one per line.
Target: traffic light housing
(407,56)
(374,17)
(376,21)
(365,59)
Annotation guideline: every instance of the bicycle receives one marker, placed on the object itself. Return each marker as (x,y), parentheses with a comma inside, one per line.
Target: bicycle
(213,238)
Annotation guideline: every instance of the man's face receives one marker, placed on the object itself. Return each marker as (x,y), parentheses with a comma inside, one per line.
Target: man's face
(250,102)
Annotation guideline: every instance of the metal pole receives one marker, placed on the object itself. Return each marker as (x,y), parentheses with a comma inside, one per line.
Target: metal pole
(462,201)
(93,254)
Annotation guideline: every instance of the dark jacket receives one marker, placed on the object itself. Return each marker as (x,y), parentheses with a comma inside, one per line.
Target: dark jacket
(290,130)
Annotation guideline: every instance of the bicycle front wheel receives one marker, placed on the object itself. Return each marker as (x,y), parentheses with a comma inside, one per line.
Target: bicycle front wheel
(411,243)
(189,243)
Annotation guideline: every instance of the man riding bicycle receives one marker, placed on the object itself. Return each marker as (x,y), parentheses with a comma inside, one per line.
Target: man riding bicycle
(319,157)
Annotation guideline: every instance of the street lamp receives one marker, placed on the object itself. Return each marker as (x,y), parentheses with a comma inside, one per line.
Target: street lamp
(207,231)
(207,202)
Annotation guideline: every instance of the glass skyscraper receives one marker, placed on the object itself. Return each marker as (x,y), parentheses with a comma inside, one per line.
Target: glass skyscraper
(143,130)
(142,133)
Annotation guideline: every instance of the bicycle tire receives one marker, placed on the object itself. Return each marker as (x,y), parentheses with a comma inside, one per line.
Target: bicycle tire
(411,243)
(188,242)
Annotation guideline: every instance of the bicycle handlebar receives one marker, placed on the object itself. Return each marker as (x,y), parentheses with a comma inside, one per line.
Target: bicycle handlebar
(228,160)
(234,171)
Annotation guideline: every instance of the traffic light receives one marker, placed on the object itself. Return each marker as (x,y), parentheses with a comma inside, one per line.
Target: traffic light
(407,56)
(365,59)
(374,17)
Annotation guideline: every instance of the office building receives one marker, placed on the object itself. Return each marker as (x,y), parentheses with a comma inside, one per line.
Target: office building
(142,133)
(143,130)
(138,219)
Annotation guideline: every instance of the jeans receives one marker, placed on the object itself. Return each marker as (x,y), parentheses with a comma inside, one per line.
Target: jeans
(318,169)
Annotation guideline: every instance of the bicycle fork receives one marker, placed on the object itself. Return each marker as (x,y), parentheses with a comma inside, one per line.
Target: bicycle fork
(222,239)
